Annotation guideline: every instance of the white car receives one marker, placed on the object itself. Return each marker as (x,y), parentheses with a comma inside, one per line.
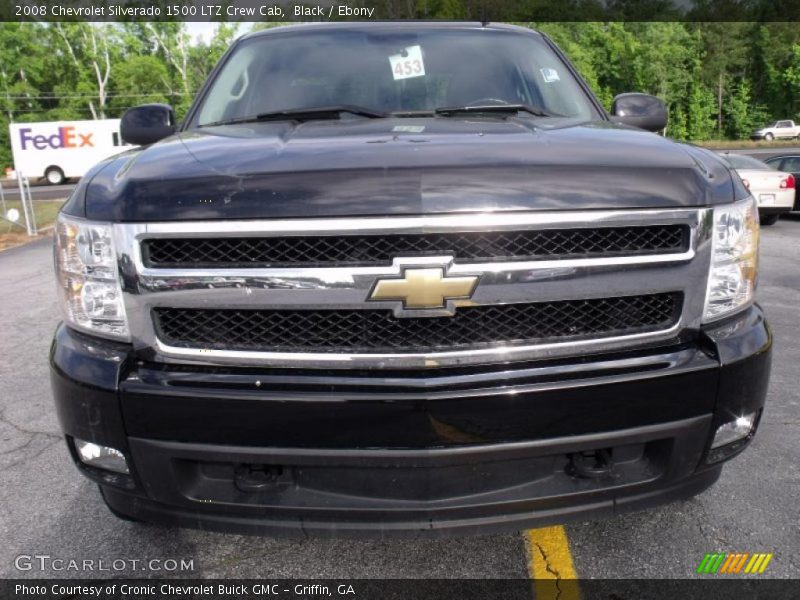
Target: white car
(774,190)
(777,130)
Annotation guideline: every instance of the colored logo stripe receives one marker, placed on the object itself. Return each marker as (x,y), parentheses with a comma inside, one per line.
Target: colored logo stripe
(758,563)
(722,562)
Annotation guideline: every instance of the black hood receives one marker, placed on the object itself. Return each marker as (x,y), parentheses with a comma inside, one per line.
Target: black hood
(398,166)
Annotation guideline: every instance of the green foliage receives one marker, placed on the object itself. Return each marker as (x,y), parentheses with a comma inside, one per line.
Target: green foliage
(741,114)
(139,80)
(718,79)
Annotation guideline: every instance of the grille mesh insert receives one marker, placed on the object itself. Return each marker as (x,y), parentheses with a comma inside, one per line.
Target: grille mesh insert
(364,331)
(381,249)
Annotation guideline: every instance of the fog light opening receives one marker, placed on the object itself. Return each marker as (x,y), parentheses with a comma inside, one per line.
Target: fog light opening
(732,436)
(101,457)
(738,429)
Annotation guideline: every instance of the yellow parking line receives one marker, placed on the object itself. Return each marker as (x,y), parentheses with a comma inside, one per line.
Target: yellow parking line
(551,565)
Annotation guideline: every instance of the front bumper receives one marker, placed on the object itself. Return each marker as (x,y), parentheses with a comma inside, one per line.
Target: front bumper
(445,451)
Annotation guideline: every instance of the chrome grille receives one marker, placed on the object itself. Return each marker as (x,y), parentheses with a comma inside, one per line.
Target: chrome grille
(381,331)
(571,299)
(382,249)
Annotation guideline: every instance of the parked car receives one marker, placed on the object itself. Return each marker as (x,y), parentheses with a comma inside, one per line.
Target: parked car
(774,190)
(777,130)
(789,163)
(511,307)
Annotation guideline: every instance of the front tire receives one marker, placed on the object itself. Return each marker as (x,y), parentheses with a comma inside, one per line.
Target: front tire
(768,220)
(54,176)
(769,137)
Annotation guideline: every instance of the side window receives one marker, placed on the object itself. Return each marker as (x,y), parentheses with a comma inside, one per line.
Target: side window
(783,123)
(790,165)
(231,89)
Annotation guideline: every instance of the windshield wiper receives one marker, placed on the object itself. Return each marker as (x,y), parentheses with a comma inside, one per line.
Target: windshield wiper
(495,108)
(303,114)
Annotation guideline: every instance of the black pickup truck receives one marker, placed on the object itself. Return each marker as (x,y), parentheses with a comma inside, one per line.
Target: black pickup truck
(405,279)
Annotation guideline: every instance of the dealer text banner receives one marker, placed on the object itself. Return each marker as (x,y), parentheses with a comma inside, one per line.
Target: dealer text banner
(349,10)
(391,589)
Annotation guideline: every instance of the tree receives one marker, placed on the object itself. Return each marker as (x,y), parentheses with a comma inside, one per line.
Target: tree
(138,80)
(88,45)
(172,43)
(790,77)
(741,114)
(700,111)
(726,49)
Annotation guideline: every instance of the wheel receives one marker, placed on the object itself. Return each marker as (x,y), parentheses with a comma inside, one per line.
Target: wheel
(768,220)
(54,176)
(769,137)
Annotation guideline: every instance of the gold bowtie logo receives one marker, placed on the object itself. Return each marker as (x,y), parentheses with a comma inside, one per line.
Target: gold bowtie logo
(424,288)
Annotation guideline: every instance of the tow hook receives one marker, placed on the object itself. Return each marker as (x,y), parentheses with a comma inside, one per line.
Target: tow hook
(590,464)
(256,478)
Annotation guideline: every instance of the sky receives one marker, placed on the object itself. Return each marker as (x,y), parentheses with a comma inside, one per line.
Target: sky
(204,31)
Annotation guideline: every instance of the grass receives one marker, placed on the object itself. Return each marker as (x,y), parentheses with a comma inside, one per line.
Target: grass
(44,211)
(743,144)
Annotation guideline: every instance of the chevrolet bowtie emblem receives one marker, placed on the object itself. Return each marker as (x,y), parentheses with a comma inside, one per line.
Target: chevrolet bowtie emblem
(424,288)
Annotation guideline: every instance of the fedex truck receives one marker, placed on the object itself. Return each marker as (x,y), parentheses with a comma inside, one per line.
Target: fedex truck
(59,150)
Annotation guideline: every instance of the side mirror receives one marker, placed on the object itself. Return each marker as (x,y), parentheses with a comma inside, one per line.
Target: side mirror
(640,110)
(147,124)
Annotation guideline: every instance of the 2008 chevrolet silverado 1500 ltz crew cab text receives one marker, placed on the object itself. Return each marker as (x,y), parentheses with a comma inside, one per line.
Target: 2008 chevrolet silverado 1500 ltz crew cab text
(405,278)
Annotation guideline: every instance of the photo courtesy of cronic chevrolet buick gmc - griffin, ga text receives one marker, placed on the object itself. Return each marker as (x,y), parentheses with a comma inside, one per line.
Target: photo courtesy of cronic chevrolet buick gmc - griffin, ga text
(405,279)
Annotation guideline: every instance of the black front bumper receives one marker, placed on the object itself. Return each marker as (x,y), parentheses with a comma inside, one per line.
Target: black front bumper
(390,453)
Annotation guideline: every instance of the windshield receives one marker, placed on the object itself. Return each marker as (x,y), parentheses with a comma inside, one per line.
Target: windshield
(391,71)
(739,161)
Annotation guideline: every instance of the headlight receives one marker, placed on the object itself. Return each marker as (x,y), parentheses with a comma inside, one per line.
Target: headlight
(734,261)
(88,282)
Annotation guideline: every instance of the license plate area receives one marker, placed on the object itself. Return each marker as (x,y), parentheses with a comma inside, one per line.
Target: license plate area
(394,485)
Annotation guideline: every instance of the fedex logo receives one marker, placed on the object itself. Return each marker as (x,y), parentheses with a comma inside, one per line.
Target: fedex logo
(66,137)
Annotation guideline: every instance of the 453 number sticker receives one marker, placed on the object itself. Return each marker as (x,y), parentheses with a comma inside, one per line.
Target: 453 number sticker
(408,63)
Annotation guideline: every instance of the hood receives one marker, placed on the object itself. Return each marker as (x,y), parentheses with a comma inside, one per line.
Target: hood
(399,166)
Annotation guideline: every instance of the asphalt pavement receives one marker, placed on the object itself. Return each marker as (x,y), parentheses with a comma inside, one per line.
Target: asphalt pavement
(48,509)
(38,191)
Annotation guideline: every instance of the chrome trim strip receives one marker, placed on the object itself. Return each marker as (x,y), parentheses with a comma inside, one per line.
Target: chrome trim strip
(348,287)
(479,221)
(431,381)
(342,274)
(496,390)
(409,360)
(341,287)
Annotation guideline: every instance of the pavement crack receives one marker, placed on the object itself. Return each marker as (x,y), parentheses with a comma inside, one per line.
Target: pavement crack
(549,568)
(27,431)
(30,457)
(20,448)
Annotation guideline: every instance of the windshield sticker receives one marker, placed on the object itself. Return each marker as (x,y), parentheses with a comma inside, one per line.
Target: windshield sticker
(549,75)
(408,128)
(408,63)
